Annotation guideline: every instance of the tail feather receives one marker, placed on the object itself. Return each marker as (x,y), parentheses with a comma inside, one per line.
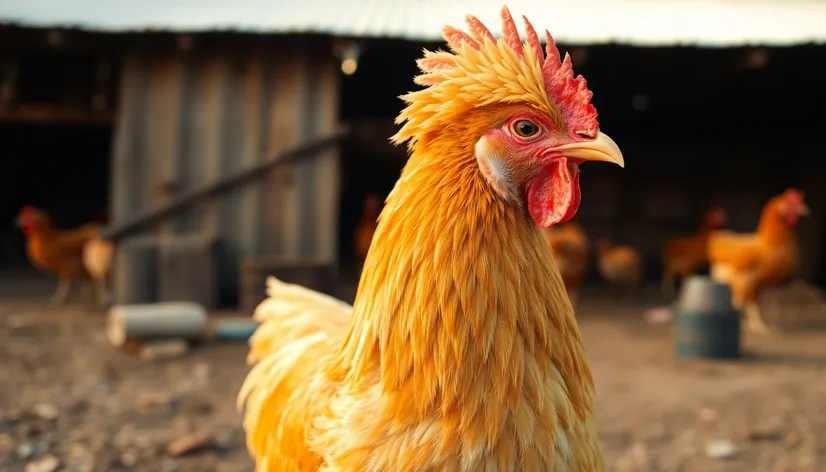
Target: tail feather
(293,312)
(283,390)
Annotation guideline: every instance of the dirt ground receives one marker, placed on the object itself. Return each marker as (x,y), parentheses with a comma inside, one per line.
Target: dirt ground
(70,402)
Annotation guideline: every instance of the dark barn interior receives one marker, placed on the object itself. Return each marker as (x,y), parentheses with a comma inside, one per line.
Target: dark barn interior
(56,148)
(698,126)
(369,101)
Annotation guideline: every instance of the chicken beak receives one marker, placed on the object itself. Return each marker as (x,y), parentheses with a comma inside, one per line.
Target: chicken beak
(602,149)
(803,210)
(18,222)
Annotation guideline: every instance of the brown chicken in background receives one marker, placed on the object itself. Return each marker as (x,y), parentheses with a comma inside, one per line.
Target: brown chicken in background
(750,262)
(619,265)
(366,227)
(55,250)
(571,249)
(687,255)
(97,259)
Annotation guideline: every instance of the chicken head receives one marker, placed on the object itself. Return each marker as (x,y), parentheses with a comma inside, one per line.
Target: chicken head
(716,217)
(31,218)
(792,206)
(529,120)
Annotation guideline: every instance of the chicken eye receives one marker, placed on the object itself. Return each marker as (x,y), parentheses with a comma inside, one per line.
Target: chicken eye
(525,128)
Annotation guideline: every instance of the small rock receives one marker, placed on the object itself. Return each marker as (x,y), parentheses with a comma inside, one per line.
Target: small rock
(152,400)
(169,466)
(661,315)
(78,467)
(102,390)
(79,407)
(46,411)
(131,347)
(30,430)
(16,415)
(707,414)
(17,322)
(196,407)
(793,439)
(46,464)
(108,372)
(26,450)
(640,455)
(129,458)
(81,459)
(763,434)
(125,436)
(189,443)
(722,449)
(225,438)
(201,371)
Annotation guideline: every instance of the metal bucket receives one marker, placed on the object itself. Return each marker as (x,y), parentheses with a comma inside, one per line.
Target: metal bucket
(706,325)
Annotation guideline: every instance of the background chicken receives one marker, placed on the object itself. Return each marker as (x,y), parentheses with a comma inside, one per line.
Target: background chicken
(462,351)
(751,262)
(97,260)
(571,250)
(686,255)
(54,250)
(619,265)
(366,228)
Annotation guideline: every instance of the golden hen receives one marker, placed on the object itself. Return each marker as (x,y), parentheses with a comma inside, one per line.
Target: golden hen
(97,259)
(571,249)
(55,250)
(461,351)
(620,265)
(686,255)
(751,262)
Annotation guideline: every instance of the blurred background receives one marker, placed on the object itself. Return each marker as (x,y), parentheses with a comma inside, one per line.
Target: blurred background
(162,120)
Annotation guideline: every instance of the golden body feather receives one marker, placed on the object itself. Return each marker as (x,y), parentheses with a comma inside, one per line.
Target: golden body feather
(461,352)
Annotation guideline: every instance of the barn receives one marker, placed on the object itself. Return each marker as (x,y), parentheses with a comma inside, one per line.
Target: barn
(166,120)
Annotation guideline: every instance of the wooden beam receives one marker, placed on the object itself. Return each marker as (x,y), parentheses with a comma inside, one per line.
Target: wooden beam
(56,115)
(118,230)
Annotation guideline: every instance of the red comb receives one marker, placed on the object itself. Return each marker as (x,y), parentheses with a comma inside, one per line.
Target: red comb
(570,94)
(794,195)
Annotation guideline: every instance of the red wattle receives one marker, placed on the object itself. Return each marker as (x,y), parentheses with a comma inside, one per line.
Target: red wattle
(553,195)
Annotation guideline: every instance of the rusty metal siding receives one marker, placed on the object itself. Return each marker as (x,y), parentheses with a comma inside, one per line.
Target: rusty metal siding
(188,119)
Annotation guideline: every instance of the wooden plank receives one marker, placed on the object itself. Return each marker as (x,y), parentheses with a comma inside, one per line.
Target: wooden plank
(152,216)
(163,133)
(214,79)
(56,115)
(127,146)
(187,267)
(136,271)
(326,188)
(251,213)
(288,84)
(305,171)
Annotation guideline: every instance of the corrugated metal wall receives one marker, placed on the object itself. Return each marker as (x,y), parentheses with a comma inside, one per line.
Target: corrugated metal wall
(188,118)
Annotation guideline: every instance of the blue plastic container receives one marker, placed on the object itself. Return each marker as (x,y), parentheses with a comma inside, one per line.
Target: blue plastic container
(706,325)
